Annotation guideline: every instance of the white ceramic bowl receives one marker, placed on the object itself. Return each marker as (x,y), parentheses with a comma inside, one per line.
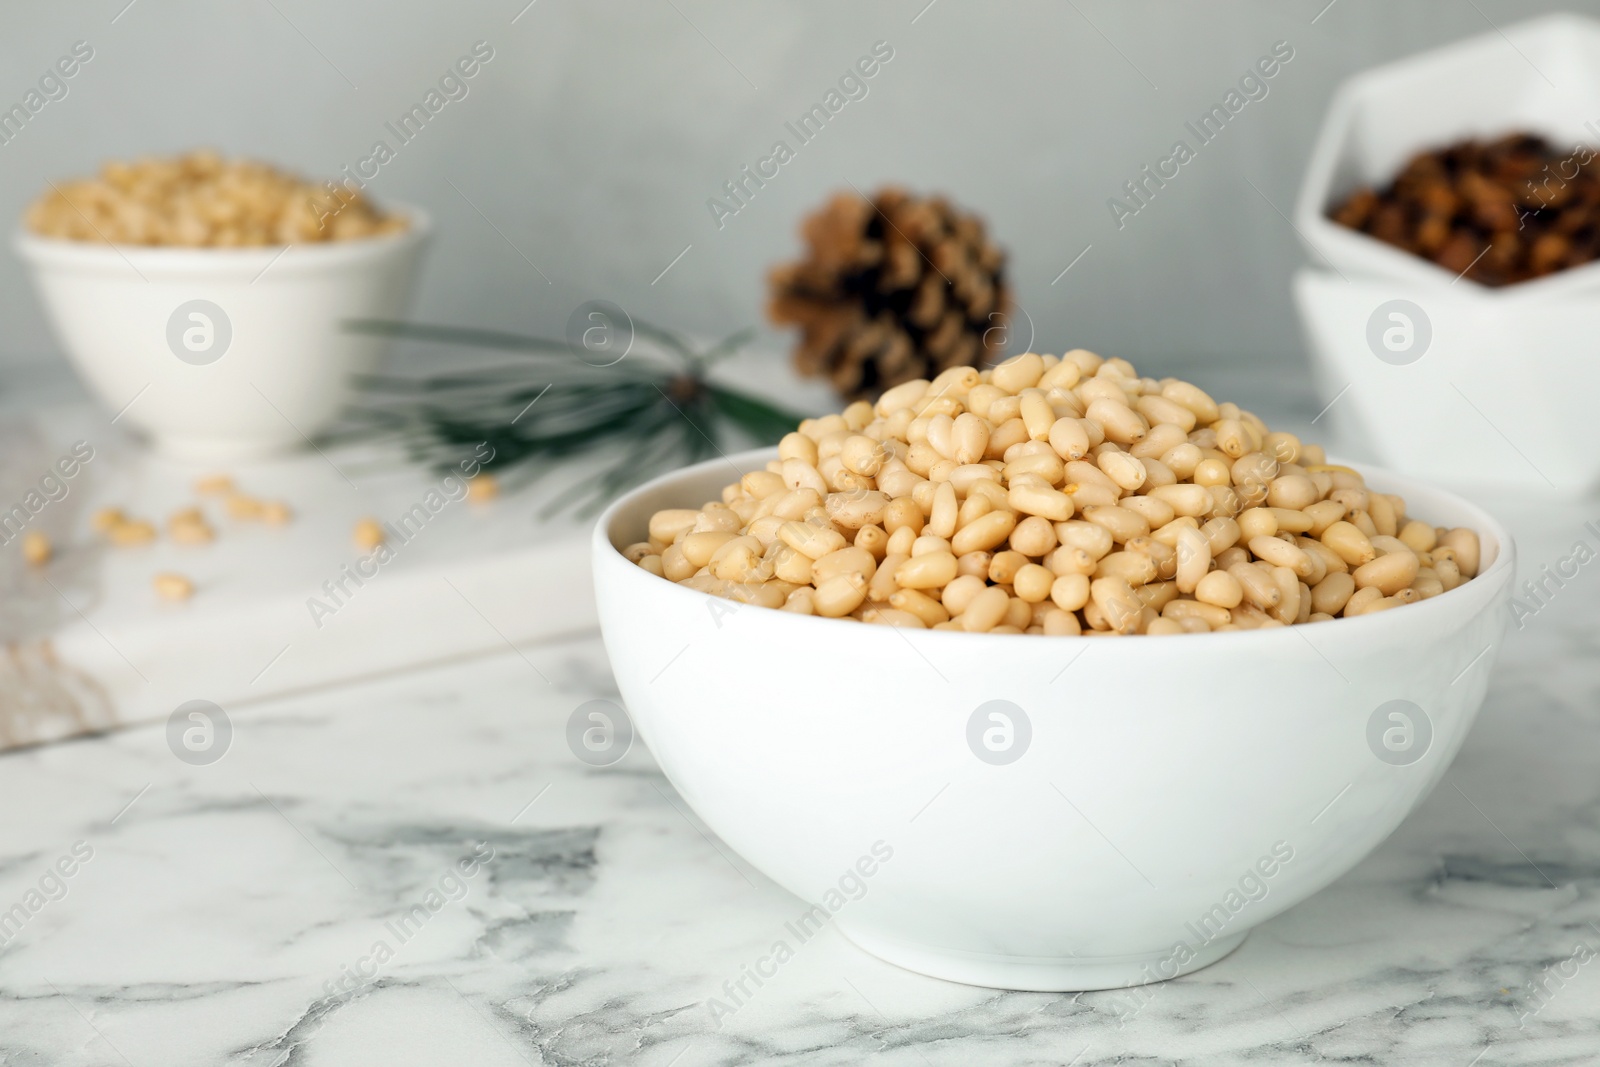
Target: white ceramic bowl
(1471,385)
(1175,791)
(223,354)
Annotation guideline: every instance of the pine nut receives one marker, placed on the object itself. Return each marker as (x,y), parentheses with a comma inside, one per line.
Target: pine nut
(840,595)
(984,533)
(1192,397)
(1257,522)
(1464,543)
(1159,409)
(1192,500)
(1120,422)
(901,396)
(924,607)
(1212,615)
(1219,588)
(1069,438)
(861,455)
(1288,583)
(986,610)
(1323,514)
(797,445)
(932,570)
(1349,543)
(173,587)
(1382,512)
(844,561)
(1256,585)
(1281,554)
(36,548)
(1361,600)
(1115,599)
(1390,573)
(1034,536)
(1125,470)
(814,541)
(1194,560)
(853,510)
(1418,536)
(1041,500)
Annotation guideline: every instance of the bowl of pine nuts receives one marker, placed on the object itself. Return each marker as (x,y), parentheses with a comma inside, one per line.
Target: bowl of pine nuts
(204,301)
(889,647)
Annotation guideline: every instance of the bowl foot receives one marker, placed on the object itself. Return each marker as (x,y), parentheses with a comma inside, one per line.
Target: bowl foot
(1042,974)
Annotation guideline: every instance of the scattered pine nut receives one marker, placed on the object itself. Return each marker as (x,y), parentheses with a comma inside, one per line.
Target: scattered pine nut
(131,532)
(213,484)
(369,534)
(106,518)
(483,487)
(276,512)
(244,507)
(187,530)
(171,586)
(36,548)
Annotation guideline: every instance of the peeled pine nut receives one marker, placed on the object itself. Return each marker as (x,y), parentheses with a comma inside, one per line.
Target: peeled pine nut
(1349,543)
(1289,604)
(1193,559)
(986,532)
(1220,589)
(840,595)
(1389,573)
(814,541)
(1115,599)
(986,610)
(1041,500)
(932,570)
(924,607)
(1125,470)
(36,548)
(1465,544)
(1256,586)
(173,587)
(1281,554)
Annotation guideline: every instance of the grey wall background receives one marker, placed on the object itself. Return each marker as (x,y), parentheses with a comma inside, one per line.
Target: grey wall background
(593,139)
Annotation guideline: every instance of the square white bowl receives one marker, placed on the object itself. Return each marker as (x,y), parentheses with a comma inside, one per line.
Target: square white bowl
(1495,395)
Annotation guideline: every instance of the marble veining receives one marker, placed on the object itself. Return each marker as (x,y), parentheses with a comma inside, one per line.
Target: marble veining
(231,913)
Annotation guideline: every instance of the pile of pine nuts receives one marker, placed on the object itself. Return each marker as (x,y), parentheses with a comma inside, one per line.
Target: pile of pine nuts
(1056,495)
(200,200)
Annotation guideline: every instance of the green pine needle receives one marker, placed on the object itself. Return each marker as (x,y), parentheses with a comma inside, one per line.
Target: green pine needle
(654,410)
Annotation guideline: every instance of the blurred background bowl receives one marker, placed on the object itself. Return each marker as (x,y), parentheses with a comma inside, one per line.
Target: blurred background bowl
(1439,375)
(1168,791)
(222,354)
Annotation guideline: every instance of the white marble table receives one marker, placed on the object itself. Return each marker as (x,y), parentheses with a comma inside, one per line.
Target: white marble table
(226,909)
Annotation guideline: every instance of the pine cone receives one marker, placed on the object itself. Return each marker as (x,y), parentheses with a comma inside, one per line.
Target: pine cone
(895,289)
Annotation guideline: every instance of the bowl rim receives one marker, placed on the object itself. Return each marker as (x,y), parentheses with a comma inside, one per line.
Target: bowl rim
(37,249)
(1373,628)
